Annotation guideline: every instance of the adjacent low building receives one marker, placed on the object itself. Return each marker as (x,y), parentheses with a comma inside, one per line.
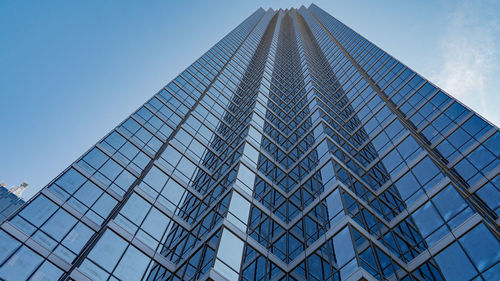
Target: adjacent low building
(10,200)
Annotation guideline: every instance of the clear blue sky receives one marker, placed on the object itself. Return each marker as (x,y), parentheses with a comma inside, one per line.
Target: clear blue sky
(70,71)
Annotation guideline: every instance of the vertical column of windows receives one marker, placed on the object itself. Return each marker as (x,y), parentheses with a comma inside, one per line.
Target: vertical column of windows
(230,250)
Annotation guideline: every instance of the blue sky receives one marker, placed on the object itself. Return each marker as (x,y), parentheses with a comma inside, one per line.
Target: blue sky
(70,71)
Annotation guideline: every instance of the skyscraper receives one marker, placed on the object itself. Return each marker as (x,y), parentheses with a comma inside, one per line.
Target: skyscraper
(294,149)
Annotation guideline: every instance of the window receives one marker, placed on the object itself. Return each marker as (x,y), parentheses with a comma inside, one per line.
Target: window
(482,247)
(230,247)
(454,264)
(106,254)
(20,265)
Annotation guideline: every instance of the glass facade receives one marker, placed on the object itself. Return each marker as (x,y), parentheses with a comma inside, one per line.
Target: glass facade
(294,149)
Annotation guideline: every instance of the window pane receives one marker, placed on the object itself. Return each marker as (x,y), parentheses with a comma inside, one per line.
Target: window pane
(47,272)
(108,250)
(7,245)
(132,265)
(454,264)
(20,265)
(482,247)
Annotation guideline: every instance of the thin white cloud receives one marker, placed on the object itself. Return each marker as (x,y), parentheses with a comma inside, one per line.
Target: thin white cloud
(469,52)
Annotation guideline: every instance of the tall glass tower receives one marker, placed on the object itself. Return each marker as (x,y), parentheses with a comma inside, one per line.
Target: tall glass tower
(294,149)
